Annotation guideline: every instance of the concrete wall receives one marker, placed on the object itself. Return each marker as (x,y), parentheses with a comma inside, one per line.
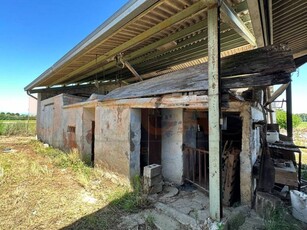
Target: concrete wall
(117,148)
(53,122)
(172,140)
(250,150)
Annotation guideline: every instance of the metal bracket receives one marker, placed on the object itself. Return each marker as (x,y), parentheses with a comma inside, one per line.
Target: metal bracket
(121,63)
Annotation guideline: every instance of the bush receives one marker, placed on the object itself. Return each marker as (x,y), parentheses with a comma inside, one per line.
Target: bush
(281,117)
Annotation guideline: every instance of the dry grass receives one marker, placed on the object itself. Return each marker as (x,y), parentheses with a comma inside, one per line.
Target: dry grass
(44,188)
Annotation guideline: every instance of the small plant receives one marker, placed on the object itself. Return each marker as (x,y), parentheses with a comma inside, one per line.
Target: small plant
(220,226)
(150,222)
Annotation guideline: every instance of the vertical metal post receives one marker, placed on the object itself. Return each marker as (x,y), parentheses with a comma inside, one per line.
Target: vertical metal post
(214,111)
(289,111)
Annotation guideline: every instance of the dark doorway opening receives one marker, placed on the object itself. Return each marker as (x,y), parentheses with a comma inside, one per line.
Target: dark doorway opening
(150,137)
(93,144)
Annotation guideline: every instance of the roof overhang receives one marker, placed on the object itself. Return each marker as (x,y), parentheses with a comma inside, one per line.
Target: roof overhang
(158,37)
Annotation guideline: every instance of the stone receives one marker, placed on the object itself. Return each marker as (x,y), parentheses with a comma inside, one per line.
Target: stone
(160,220)
(170,191)
(152,170)
(179,216)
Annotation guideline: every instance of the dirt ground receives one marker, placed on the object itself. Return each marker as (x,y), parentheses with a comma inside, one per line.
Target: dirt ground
(36,193)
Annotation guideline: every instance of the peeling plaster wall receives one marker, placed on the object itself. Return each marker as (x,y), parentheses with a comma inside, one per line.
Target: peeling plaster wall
(250,150)
(72,117)
(112,139)
(172,140)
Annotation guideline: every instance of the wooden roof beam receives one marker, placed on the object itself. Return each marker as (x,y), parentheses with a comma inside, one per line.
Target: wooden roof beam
(254,12)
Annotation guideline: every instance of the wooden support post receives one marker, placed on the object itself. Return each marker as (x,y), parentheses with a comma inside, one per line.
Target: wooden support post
(214,111)
(289,111)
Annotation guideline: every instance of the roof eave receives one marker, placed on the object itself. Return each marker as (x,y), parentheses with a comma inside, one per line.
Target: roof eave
(117,20)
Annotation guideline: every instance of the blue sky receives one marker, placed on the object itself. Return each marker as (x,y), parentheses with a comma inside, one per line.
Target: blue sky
(34,34)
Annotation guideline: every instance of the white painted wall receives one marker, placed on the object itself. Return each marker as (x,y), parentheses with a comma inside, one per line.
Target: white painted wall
(172,140)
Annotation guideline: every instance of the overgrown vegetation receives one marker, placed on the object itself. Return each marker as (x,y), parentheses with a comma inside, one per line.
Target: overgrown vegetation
(18,127)
(46,188)
(281,117)
(280,219)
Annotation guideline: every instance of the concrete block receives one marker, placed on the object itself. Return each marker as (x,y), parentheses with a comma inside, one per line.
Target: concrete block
(156,188)
(266,203)
(152,170)
(148,182)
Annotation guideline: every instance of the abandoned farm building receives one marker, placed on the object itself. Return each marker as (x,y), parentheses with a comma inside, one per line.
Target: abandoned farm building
(184,84)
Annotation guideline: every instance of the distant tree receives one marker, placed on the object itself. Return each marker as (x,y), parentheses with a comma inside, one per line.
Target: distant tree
(281,117)
(303,116)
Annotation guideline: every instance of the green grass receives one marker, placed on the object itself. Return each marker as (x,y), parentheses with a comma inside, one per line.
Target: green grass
(280,219)
(303,125)
(44,188)
(18,127)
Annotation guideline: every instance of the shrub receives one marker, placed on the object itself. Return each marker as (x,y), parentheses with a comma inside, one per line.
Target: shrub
(281,117)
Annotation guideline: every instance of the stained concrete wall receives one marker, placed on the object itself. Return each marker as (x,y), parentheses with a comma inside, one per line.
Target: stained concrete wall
(53,122)
(250,150)
(117,139)
(172,140)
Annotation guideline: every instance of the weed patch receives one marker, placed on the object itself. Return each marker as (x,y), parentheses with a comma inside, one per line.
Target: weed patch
(280,219)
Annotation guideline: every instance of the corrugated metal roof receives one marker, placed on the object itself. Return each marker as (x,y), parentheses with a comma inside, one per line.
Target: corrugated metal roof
(290,25)
(139,35)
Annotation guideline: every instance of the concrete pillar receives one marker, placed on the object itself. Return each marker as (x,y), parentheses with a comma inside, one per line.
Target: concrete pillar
(214,111)
(172,140)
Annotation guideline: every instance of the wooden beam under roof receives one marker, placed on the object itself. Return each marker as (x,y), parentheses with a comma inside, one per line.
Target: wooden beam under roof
(254,12)
(266,66)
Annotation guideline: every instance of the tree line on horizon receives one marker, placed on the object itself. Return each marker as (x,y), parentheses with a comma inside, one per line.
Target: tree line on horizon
(15,116)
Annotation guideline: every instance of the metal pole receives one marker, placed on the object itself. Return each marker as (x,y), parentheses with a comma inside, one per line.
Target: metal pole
(289,111)
(214,111)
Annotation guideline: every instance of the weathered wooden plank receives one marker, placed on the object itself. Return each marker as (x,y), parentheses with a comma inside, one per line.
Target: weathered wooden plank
(286,175)
(192,79)
(265,60)
(255,80)
(193,102)
(260,67)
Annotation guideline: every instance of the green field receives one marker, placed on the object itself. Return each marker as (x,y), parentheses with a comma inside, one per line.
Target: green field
(302,126)
(18,127)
